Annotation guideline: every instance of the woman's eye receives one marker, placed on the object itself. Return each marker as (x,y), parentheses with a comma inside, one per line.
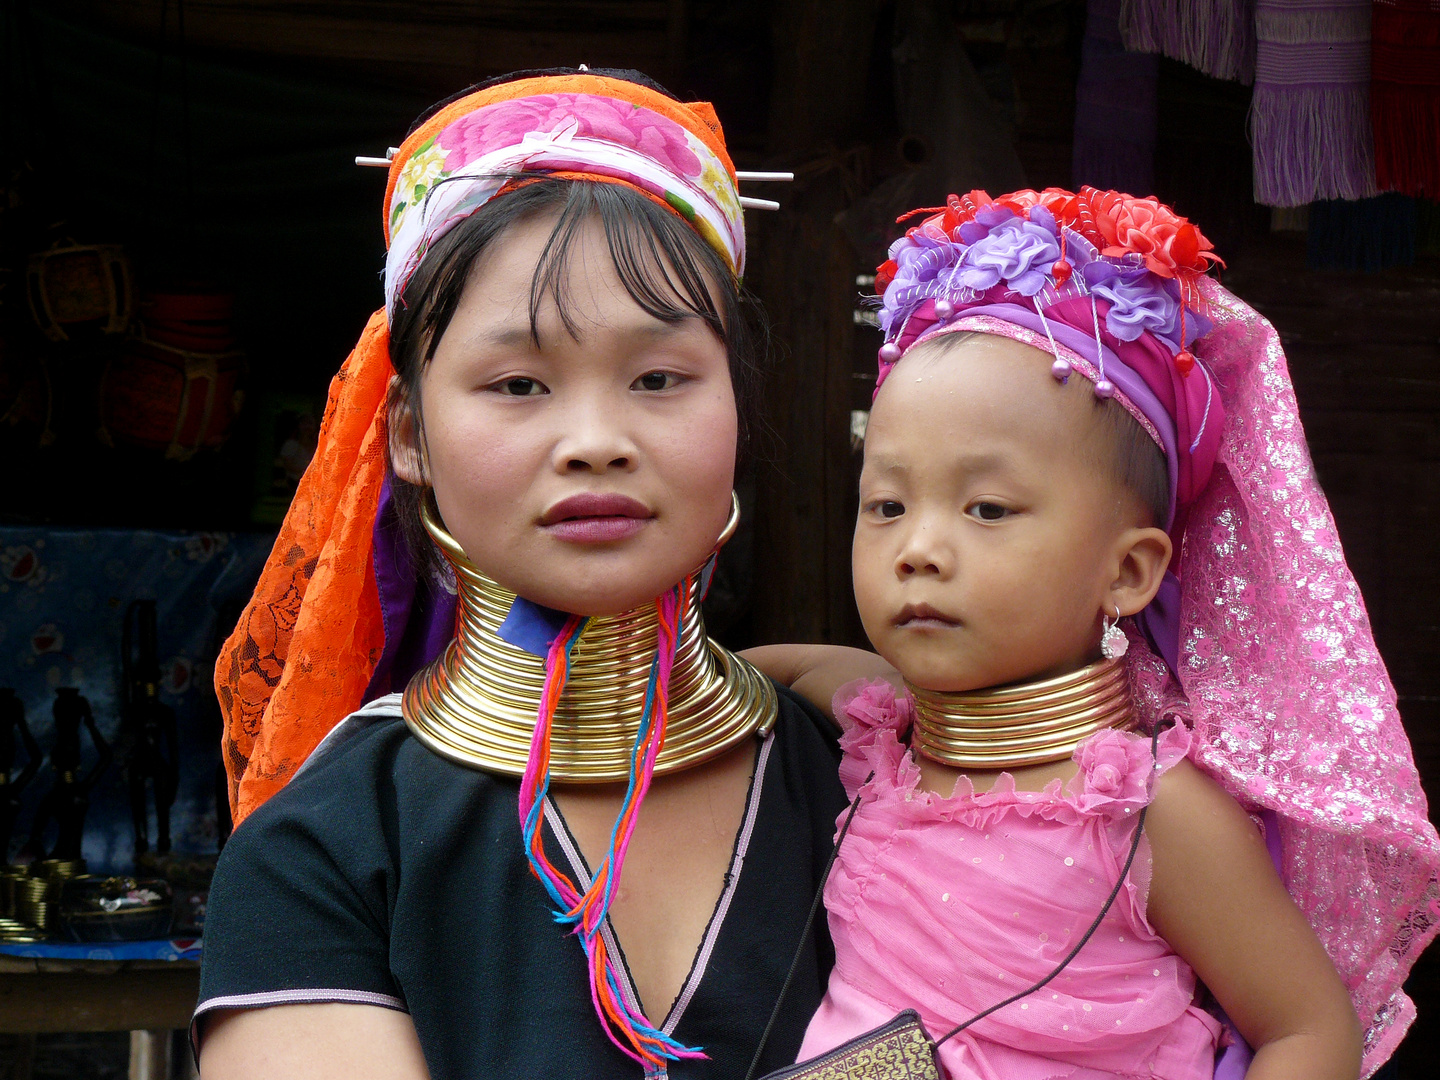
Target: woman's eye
(655,380)
(989,511)
(520,387)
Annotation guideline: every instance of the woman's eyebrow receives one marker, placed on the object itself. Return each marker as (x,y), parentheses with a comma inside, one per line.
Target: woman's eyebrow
(511,336)
(515,335)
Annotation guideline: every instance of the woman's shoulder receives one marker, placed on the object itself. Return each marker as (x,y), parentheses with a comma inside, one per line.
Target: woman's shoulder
(367,783)
(797,713)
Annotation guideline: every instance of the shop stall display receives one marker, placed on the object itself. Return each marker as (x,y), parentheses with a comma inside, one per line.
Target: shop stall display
(68,801)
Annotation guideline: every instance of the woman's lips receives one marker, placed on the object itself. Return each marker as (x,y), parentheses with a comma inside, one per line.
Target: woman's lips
(595,518)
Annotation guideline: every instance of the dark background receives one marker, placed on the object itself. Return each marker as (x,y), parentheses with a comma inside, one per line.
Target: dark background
(224,155)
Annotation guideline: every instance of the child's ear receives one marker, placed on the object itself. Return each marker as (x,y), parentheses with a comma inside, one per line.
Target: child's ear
(1144,555)
(407,456)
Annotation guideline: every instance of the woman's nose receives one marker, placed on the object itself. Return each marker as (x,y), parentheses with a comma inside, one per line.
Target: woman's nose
(594,440)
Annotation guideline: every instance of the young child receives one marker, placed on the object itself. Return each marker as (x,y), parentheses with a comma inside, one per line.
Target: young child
(1047,456)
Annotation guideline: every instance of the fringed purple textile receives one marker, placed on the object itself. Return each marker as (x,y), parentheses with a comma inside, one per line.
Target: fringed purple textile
(1213,36)
(1115,108)
(1310,116)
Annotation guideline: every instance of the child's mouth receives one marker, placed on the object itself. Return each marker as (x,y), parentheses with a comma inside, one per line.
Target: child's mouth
(924,617)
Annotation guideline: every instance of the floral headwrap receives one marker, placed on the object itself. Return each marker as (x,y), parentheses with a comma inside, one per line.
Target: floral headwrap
(1269,656)
(468,152)
(326,629)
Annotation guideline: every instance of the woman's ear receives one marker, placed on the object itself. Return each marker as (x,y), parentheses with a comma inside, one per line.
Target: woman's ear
(1143,555)
(407,455)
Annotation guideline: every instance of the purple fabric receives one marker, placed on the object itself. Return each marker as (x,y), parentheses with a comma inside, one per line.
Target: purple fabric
(419,615)
(1015,251)
(532,627)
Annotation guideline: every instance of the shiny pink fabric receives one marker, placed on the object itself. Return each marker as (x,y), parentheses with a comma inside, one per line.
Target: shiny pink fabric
(1288,700)
(949,905)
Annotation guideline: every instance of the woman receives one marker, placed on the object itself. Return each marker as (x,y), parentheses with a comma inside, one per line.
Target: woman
(571,380)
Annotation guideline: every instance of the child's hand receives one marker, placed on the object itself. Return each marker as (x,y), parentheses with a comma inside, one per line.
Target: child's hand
(817,671)
(1215,897)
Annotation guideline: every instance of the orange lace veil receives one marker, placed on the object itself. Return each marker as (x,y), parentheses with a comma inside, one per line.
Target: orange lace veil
(303,654)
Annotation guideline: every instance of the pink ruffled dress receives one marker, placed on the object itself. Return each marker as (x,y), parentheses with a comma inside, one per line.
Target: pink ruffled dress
(949,905)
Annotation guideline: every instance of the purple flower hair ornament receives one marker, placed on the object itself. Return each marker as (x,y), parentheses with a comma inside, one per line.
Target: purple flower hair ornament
(1020,253)
(1141,300)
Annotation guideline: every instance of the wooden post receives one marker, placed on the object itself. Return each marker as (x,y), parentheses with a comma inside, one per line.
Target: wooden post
(803,268)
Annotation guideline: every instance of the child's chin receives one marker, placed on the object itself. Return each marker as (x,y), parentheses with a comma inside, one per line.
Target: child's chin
(940,676)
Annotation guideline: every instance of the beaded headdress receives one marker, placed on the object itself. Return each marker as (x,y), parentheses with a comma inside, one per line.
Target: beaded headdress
(337,617)
(1259,640)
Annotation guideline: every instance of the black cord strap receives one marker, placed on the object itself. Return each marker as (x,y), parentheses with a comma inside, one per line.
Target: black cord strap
(805,933)
(935,1044)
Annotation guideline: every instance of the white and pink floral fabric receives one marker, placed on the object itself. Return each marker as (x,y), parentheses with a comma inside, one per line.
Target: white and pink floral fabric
(467,163)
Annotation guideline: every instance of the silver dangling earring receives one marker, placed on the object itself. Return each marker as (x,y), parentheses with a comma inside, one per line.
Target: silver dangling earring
(1113,642)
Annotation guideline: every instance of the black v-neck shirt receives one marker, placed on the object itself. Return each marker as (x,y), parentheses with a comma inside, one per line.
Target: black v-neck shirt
(383,874)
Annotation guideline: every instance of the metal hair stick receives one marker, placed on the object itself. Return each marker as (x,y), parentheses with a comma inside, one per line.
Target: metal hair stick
(379,162)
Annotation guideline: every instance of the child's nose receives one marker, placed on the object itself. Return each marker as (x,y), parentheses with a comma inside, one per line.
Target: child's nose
(923,553)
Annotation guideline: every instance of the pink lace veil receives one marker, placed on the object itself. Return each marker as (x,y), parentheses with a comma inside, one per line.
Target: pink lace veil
(1284,690)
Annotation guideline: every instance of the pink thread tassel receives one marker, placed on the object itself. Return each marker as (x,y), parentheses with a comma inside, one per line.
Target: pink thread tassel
(625,1026)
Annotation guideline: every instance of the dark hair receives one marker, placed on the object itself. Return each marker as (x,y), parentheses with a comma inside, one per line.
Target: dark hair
(662,263)
(1136,462)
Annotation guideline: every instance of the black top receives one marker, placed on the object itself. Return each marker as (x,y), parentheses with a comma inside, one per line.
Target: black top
(386,875)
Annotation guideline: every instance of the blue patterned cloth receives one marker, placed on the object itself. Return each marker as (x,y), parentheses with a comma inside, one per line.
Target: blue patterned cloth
(63,595)
(164,949)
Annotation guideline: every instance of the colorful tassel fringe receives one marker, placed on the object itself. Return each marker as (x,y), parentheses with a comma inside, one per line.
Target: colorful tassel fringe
(1213,36)
(627,1028)
(1310,115)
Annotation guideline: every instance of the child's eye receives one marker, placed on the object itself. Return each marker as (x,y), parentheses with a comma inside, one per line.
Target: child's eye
(888,508)
(655,380)
(520,387)
(989,511)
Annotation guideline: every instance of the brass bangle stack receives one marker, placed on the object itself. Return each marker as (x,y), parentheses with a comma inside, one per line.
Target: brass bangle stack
(477,703)
(1009,727)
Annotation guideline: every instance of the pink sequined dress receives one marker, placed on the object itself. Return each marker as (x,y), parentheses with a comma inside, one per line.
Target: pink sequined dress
(950,905)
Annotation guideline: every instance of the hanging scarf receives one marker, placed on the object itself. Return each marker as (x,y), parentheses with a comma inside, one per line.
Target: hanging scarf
(1310,116)
(1264,648)
(1115,107)
(1405,96)
(1213,36)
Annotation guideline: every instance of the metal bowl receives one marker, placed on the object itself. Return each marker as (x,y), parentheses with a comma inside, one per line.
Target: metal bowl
(95,908)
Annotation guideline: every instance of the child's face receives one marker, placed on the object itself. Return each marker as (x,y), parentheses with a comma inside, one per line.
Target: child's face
(591,473)
(990,536)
